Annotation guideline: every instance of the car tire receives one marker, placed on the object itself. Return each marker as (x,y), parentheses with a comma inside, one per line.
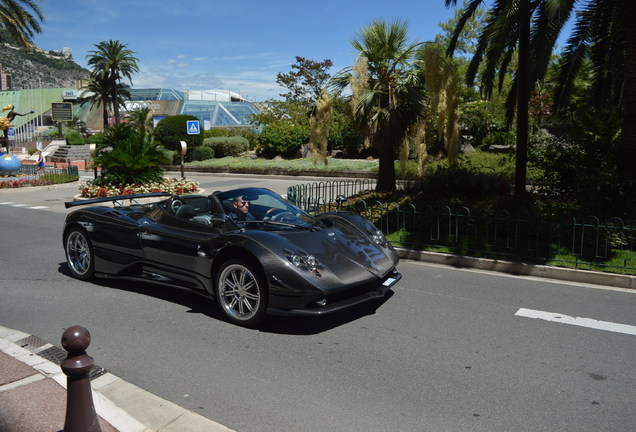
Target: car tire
(241,292)
(79,254)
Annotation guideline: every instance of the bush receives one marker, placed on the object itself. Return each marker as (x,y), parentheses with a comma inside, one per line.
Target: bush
(171,130)
(246,132)
(74,138)
(227,145)
(583,167)
(500,138)
(201,153)
(480,118)
(135,159)
(282,139)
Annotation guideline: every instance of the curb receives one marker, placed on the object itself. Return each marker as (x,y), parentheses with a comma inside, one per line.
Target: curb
(144,411)
(521,269)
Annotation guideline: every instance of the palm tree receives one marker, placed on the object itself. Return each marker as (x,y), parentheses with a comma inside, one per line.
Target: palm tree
(392,96)
(134,157)
(111,62)
(524,27)
(605,35)
(21,19)
(98,94)
(140,119)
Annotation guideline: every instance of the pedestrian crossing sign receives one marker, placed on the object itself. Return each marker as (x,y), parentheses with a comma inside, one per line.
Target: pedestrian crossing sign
(193,127)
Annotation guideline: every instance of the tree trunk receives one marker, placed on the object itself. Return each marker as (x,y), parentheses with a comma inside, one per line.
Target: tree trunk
(523,96)
(115,100)
(386,169)
(627,151)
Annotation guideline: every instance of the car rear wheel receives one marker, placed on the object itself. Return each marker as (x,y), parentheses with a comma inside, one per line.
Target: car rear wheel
(241,292)
(79,254)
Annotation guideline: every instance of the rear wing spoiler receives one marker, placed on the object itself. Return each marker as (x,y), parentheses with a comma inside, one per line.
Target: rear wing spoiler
(114,199)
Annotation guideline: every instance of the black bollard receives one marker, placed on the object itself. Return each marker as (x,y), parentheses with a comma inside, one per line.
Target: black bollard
(80,410)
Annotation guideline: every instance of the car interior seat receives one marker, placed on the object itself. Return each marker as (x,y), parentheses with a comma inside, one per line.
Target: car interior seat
(186,211)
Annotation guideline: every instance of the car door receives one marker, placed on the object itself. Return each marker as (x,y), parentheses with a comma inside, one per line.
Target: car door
(179,250)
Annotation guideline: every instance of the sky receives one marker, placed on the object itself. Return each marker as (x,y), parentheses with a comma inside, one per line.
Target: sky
(231,45)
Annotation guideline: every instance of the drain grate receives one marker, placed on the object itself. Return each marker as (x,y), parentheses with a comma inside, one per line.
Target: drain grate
(31,342)
(53,354)
(58,355)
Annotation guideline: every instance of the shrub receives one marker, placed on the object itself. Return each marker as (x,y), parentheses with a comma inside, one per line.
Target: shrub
(480,118)
(583,167)
(248,132)
(171,130)
(135,159)
(282,139)
(226,145)
(201,153)
(500,138)
(74,138)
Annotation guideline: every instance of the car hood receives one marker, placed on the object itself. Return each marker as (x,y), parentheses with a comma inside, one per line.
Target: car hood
(345,252)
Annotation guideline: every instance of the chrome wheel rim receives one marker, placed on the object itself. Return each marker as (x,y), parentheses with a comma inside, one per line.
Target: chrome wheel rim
(239,293)
(78,253)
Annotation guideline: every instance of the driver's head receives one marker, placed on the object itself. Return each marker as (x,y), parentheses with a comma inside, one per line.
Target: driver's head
(241,206)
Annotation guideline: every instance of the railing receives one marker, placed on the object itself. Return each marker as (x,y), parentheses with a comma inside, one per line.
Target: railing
(70,170)
(580,243)
(322,195)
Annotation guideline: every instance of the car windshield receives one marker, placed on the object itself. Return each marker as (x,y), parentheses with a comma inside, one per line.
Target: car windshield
(257,207)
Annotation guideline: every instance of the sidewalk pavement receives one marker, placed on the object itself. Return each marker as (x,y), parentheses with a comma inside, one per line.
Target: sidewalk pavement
(33,394)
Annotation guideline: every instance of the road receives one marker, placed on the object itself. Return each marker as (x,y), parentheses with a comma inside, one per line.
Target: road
(448,351)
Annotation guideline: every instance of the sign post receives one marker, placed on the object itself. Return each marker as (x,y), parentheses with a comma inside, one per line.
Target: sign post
(61,112)
(193,129)
(182,152)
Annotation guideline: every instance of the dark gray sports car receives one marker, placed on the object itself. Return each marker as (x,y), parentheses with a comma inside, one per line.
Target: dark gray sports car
(250,249)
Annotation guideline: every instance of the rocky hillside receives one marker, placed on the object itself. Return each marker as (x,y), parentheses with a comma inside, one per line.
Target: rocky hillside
(38,68)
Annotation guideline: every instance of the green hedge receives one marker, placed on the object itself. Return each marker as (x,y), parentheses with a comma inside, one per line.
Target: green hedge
(227,145)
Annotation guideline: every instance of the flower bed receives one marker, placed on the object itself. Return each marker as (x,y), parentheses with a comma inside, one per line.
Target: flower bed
(172,186)
(10,183)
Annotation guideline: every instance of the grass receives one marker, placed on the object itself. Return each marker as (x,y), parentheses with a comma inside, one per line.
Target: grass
(294,165)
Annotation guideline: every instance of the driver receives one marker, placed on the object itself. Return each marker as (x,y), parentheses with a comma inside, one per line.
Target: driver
(241,209)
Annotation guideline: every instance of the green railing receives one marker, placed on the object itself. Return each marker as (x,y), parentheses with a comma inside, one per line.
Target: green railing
(587,243)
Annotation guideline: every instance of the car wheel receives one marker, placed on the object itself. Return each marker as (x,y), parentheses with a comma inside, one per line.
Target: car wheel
(79,254)
(241,292)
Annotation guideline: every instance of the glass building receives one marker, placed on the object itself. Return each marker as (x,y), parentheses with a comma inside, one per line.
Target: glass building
(213,108)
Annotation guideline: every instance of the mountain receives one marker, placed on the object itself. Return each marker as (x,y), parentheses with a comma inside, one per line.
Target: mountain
(38,68)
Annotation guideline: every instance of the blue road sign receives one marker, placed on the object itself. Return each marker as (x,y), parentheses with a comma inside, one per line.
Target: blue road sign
(11,133)
(193,127)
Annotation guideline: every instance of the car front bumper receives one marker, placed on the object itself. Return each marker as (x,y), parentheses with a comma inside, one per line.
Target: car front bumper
(341,302)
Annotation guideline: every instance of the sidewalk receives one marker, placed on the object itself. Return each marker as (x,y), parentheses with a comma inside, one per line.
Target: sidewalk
(33,394)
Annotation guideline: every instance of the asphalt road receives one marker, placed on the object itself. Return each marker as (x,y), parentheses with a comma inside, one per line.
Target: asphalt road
(449,350)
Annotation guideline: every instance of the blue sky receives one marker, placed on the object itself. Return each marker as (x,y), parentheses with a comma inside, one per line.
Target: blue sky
(232,45)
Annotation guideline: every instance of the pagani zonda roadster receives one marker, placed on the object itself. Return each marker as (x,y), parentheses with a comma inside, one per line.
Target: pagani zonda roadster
(278,260)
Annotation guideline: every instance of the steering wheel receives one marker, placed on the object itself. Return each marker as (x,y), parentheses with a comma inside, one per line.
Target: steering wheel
(174,205)
(278,216)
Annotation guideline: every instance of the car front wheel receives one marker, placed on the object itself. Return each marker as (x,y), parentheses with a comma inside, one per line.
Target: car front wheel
(79,254)
(241,292)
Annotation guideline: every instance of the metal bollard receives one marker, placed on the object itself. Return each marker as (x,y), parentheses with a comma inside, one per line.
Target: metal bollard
(80,410)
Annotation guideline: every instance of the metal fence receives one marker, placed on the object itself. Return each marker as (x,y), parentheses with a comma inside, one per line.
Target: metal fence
(30,170)
(581,243)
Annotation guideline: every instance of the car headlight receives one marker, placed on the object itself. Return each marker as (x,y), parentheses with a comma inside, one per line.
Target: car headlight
(379,238)
(303,261)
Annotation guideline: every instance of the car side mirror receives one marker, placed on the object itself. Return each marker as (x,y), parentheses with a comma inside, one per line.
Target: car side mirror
(339,200)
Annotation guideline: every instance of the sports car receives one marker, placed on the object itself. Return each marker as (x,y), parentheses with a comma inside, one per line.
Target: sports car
(273,259)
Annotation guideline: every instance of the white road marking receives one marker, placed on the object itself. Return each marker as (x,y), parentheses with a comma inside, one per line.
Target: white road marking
(18,205)
(577,321)
(38,207)
(6,203)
